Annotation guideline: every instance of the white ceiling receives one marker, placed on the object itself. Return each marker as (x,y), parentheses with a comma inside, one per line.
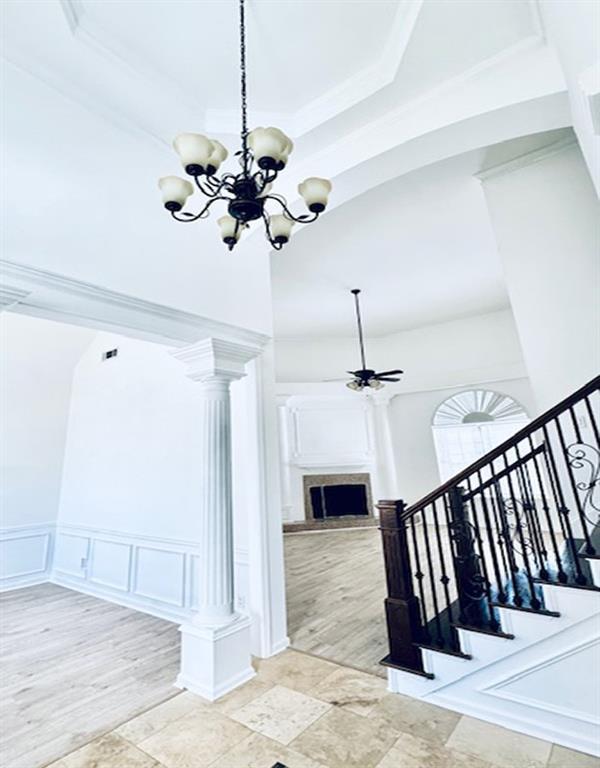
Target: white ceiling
(370,90)
(421,248)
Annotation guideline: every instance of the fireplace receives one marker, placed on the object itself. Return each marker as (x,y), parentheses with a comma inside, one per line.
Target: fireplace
(331,497)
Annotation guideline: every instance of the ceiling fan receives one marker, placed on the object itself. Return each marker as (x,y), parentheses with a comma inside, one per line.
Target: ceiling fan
(365,377)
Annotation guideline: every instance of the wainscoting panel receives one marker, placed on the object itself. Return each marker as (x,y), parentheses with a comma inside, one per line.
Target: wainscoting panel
(160,575)
(111,564)
(25,555)
(71,554)
(154,575)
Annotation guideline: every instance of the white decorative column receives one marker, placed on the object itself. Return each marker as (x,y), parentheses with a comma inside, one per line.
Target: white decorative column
(215,651)
(386,462)
(283,416)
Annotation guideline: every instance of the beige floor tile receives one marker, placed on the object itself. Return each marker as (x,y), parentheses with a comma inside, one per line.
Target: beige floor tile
(344,740)
(280,713)
(257,751)
(294,670)
(242,695)
(110,751)
(412,752)
(504,748)
(560,757)
(143,726)
(194,740)
(351,690)
(434,724)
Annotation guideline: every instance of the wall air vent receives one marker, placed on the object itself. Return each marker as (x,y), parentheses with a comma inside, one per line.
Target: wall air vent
(110,353)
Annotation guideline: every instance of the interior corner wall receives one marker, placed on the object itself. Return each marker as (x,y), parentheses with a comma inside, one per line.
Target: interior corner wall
(546,219)
(37,358)
(411,416)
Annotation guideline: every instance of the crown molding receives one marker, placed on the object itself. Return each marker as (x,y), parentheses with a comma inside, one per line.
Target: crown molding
(341,97)
(529,158)
(11,296)
(57,297)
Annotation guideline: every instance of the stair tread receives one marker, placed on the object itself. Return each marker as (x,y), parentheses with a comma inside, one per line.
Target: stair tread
(525,609)
(387,662)
(485,631)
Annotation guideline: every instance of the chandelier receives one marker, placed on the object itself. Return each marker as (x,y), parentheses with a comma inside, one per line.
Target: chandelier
(367,377)
(264,153)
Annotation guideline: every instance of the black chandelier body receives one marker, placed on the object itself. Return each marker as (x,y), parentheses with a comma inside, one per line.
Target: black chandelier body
(263,156)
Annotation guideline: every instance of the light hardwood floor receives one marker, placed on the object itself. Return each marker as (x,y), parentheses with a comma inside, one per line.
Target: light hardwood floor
(335,591)
(74,667)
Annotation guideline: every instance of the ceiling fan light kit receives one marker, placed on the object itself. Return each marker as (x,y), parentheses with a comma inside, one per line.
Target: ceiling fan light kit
(264,153)
(366,377)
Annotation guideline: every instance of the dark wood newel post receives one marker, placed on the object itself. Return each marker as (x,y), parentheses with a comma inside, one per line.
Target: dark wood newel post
(401,606)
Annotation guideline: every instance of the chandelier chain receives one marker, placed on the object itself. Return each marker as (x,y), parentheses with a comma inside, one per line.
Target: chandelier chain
(243,85)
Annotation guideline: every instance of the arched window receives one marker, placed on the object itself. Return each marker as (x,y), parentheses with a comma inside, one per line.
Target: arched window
(469,424)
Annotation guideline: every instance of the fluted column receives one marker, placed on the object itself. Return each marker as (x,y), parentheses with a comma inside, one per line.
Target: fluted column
(215,653)
(215,586)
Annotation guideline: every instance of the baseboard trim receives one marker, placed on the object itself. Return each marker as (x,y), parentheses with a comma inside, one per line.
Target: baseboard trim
(21,582)
(174,616)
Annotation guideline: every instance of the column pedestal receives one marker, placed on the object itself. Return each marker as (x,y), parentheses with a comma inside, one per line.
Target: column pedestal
(215,660)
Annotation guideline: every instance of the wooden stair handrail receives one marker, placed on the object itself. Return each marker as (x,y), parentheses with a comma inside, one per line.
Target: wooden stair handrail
(538,422)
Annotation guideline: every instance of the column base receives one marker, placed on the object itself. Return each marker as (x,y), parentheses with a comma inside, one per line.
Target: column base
(215,660)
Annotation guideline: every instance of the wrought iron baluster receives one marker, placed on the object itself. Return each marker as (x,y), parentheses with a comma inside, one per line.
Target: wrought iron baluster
(562,576)
(589,548)
(531,513)
(562,508)
(533,600)
(592,420)
(436,609)
(513,568)
(444,579)
(482,559)
(501,594)
(419,576)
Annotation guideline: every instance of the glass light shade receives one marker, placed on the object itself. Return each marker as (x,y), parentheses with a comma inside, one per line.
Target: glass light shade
(354,385)
(175,192)
(219,154)
(228,225)
(267,143)
(376,384)
(281,228)
(289,146)
(194,150)
(315,192)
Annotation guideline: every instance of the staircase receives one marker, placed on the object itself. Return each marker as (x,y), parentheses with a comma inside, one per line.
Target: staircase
(493,579)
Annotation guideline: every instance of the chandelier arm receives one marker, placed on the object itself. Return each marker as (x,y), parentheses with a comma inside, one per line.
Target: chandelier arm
(276,246)
(203,213)
(304,219)
(212,190)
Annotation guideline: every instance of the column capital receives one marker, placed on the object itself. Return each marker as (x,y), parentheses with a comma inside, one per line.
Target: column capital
(216,358)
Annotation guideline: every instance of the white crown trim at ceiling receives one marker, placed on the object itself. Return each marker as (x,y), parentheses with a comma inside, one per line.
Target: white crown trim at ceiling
(56,297)
(344,95)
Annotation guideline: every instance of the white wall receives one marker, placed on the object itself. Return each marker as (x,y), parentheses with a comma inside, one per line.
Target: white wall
(473,349)
(37,362)
(128,524)
(36,366)
(410,419)
(574,29)
(546,220)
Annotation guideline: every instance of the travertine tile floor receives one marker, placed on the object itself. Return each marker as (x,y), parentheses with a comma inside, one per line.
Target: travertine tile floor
(306,712)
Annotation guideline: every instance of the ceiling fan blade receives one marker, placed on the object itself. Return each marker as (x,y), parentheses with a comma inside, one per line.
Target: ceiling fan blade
(384,378)
(388,373)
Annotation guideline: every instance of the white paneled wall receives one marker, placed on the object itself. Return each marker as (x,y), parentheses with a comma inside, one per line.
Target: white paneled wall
(25,555)
(157,576)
